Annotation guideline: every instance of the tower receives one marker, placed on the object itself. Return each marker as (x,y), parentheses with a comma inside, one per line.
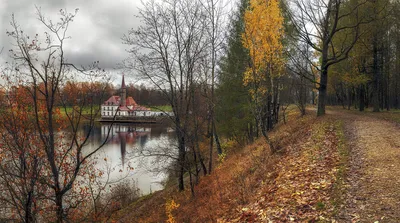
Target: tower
(123,92)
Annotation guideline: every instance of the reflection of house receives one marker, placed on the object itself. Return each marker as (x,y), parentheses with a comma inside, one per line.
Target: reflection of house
(121,106)
(125,134)
(115,129)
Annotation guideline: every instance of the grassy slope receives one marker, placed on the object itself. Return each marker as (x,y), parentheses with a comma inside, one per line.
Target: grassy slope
(86,111)
(299,183)
(163,108)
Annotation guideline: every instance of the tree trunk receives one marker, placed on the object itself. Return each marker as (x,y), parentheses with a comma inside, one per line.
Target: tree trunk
(250,133)
(181,161)
(375,67)
(196,165)
(322,92)
(211,148)
(59,208)
(362,98)
(269,114)
(269,142)
(217,142)
(28,209)
(191,183)
(196,146)
(201,160)
(350,92)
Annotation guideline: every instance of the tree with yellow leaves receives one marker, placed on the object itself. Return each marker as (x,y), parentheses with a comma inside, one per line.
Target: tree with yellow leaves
(263,40)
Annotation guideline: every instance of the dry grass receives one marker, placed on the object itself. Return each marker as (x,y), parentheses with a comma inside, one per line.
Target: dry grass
(305,178)
(251,173)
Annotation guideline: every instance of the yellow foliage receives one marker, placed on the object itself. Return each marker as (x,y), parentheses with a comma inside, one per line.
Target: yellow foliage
(262,37)
(169,207)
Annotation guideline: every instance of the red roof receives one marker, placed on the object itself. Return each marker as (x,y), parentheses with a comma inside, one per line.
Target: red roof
(140,108)
(113,100)
(131,102)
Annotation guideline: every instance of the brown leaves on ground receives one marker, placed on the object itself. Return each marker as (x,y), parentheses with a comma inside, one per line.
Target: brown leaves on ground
(252,185)
(374,168)
(313,178)
(306,175)
(235,183)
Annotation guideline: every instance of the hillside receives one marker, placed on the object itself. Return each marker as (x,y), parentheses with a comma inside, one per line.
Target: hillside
(331,168)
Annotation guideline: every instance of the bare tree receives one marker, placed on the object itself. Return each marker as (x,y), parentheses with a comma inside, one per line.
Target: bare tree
(166,50)
(303,74)
(40,69)
(214,16)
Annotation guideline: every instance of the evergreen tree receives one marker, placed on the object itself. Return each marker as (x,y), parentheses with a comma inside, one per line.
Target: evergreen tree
(234,115)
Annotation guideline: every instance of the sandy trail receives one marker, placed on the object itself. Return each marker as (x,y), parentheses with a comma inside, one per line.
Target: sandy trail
(373,182)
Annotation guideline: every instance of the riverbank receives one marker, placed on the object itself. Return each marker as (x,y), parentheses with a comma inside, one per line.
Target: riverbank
(252,184)
(136,119)
(323,166)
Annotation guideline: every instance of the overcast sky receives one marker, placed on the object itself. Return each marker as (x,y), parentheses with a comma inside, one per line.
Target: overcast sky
(96,31)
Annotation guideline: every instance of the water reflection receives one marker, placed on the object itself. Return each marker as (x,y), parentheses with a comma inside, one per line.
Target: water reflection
(127,134)
(132,145)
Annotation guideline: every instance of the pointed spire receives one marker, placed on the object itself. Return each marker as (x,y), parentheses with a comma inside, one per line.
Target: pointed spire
(123,82)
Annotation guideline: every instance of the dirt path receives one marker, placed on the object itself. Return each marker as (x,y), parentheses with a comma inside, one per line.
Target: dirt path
(373,182)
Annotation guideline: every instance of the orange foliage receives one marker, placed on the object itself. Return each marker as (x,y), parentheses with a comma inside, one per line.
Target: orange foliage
(263,38)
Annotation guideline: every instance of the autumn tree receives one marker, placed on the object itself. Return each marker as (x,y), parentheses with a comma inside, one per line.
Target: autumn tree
(316,23)
(45,137)
(20,158)
(263,39)
(378,11)
(364,78)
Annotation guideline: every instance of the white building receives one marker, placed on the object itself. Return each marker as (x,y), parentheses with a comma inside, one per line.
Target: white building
(121,106)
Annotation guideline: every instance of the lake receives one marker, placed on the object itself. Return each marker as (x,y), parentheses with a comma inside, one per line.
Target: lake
(147,148)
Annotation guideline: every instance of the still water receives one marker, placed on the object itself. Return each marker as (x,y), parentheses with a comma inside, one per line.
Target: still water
(143,153)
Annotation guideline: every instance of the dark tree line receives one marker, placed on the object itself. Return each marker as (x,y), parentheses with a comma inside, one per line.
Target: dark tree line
(102,91)
(370,76)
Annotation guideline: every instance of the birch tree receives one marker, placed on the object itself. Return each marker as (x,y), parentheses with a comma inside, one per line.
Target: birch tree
(263,39)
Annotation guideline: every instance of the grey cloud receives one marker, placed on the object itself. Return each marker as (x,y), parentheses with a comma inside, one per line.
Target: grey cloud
(96,31)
